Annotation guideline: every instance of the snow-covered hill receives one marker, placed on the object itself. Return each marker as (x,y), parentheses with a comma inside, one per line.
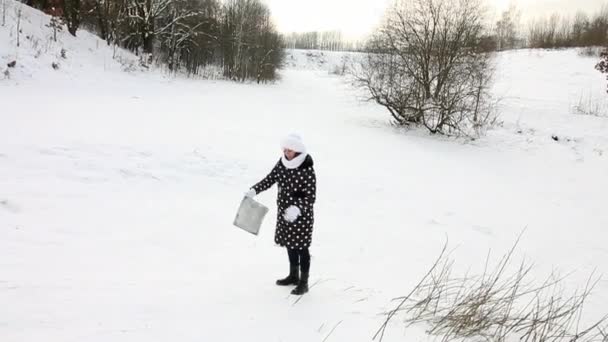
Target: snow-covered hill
(333,62)
(36,48)
(118,191)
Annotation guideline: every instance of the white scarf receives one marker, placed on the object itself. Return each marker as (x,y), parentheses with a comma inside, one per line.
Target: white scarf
(295,162)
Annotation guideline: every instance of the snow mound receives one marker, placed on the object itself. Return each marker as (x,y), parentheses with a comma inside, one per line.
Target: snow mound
(28,41)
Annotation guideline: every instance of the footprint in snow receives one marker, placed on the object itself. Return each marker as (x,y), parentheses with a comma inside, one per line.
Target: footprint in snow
(483,230)
(130,174)
(7,205)
(47,152)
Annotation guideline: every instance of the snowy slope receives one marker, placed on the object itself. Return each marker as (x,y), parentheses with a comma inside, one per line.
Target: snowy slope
(327,61)
(539,92)
(38,50)
(116,205)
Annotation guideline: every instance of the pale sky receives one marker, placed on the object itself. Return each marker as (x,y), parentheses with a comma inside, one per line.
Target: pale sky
(356,18)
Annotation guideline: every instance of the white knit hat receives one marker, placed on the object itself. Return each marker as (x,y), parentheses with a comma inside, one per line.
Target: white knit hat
(293,142)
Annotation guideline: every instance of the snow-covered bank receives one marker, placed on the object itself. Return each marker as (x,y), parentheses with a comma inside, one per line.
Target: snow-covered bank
(35,50)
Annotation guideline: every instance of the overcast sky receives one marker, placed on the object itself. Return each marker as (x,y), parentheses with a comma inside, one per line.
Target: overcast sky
(356,18)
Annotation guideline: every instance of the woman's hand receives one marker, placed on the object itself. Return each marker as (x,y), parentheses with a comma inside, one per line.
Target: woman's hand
(292,213)
(250,194)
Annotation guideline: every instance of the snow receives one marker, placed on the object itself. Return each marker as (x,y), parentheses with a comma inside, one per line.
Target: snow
(539,91)
(332,62)
(118,191)
(38,51)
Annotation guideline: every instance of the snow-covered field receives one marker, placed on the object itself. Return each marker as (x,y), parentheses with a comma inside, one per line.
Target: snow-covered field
(118,190)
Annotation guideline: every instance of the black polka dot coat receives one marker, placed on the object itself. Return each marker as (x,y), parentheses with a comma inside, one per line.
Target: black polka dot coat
(295,187)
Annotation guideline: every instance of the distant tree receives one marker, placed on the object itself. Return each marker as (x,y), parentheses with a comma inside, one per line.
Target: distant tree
(551,32)
(97,16)
(602,66)
(110,20)
(506,28)
(251,46)
(177,30)
(51,7)
(580,31)
(326,40)
(331,40)
(195,42)
(56,25)
(545,32)
(142,16)
(3,12)
(597,32)
(18,13)
(71,15)
(563,33)
(39,4)
(580,26)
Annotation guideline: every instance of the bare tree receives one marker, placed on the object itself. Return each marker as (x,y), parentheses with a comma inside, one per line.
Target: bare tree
(597,33)
(110,20)
(580,26)
(173,32)
(56,25)
(563,34)
(506,28)
(305,41)
(543,32)
(71,15)
(3,12)
(98,15)
(251,47)
(426,66)
(142,16)
(580,31)
(18,13)
(326,40)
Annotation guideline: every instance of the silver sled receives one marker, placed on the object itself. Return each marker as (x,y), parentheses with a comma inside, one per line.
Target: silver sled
(250,215)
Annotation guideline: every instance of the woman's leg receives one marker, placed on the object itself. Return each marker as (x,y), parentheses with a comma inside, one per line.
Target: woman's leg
(302,287)
(304,256)
(294,277)
(294,257)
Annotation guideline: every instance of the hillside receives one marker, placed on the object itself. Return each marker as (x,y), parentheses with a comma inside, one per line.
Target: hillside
(37,47)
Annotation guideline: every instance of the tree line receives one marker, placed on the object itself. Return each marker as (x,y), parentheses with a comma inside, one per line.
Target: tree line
(555,31)
(237,36)
(321,40)
(578,31)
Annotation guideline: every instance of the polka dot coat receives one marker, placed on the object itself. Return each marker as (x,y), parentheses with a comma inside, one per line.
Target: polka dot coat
(296,187)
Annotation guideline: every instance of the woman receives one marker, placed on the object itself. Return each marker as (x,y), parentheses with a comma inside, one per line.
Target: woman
(296,180)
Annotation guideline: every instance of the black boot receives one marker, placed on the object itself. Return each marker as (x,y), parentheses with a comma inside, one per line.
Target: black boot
(302,287)
(292,278)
